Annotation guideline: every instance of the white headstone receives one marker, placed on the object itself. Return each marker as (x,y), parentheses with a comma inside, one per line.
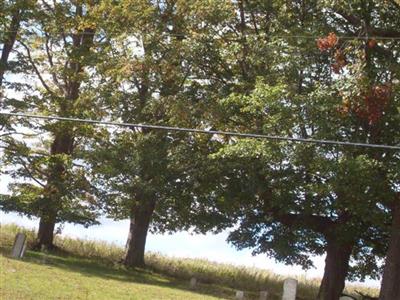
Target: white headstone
(23,251)
(263,295)
(44,254)
(19,246)
(239,295)
(345,298)
(289,289)
(193,282)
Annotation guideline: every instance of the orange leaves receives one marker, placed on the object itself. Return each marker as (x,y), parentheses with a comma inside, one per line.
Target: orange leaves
(330,42)
(326,43)
(340,61)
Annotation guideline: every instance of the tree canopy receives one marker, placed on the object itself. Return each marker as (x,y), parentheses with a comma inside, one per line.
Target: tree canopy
(301,69)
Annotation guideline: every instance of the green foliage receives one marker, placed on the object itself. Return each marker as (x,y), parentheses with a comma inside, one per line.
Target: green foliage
(246,66)
(54,51)
(268,184)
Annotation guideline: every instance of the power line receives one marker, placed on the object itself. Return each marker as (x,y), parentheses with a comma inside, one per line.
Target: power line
(314,37)
(202,131)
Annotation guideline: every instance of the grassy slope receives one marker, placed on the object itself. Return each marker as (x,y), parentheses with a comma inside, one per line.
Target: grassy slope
(88,270)
(72,278)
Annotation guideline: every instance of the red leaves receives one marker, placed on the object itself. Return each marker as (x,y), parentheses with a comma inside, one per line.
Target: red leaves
(372,43)
(326,43)
(336,68)
(370,105)
(375,103)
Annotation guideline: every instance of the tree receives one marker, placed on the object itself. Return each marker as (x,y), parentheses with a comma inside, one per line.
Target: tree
(389,287)
(292,201)
(149,79)
(57,53)
(297,114)
(235,65)
(378,85)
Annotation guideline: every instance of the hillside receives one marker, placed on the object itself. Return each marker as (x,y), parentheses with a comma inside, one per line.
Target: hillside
(89,270)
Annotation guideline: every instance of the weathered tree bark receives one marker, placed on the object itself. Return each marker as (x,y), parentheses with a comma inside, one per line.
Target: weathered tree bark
(390,287)
(140,220)
(338,249)
(9,41)
(62,144)
(46,232)
(336,267)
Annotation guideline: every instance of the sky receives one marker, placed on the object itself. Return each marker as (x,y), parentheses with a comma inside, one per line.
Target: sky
(182,244)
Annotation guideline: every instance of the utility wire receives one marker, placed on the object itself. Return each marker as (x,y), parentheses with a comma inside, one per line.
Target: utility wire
(343,37)
(202,131)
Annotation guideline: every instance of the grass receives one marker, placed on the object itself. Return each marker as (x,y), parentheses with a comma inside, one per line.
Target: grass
(68,278)
(84,269)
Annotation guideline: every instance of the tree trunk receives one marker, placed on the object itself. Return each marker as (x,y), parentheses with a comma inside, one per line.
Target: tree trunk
(8,44)
(336,268)
(390,287)
(139,226)
(46,232)
(62,144)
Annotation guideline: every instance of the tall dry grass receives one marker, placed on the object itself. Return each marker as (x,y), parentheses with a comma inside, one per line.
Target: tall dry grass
(207,272)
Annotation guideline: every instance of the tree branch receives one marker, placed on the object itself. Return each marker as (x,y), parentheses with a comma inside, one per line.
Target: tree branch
(36,69)
(353,20)
(9,43)
(22,162)
(51,63)
(316,223)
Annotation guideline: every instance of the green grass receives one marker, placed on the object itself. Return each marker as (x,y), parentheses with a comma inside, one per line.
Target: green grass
(84,269)
(69,278)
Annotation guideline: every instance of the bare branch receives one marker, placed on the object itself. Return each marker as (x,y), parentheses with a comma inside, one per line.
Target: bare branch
(22,162)
(50,60)
(19,133)
(28,51)
(373,31)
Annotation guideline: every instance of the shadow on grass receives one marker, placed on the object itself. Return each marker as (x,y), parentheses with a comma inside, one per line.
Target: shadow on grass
(110,271)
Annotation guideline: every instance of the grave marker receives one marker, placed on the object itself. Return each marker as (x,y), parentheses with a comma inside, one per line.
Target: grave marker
(239,295)
(193,282)
(19,246)
(23,250)
(263,295)
(43,249)
(289,289)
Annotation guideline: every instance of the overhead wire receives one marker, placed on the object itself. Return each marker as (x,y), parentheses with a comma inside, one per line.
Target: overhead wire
(202,131)
(344,37)
(218,132)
